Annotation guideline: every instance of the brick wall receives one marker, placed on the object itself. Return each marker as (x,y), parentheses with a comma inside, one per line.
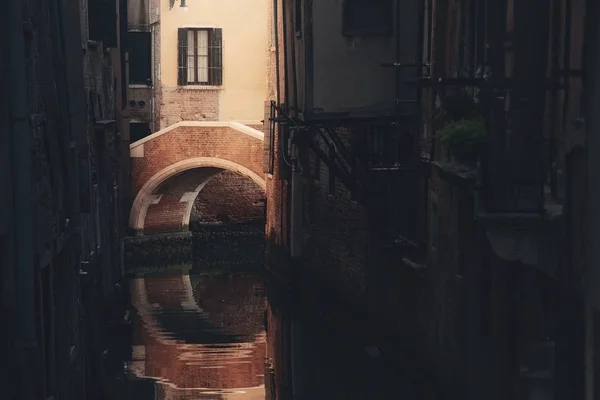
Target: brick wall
(277,186)
(187,142)
(230,197)
(235,195)
(335,234)
(185,104)
(166,215)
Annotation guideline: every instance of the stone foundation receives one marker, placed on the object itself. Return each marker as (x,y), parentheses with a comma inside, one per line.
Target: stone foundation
(160,251)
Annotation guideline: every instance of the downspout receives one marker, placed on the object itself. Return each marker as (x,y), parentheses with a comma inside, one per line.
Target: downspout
(592,276)
(589,350)
(22,175)
(276,45)
(296,212)
(281,143)
(296,234)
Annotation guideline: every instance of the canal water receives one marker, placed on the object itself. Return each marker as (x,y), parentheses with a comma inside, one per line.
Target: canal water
(217,333)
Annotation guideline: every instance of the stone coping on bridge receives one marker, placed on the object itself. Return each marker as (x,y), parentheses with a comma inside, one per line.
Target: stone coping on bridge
(137,150)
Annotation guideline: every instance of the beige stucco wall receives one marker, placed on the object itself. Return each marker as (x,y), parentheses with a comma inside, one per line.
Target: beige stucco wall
(245,51)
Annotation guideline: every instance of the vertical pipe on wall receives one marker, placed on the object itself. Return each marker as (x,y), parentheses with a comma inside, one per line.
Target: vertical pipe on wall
(591,278)
(296,231)
(296,191)
(589,350)
(276,45)
(281,142)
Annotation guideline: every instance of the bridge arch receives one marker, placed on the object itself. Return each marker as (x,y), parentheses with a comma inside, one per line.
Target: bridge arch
(146,195)
(170,168)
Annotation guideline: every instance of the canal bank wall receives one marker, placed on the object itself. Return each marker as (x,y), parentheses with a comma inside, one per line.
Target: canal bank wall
(236,246)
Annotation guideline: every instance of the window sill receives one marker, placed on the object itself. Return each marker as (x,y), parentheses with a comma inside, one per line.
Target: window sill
(139,86)
(201,87)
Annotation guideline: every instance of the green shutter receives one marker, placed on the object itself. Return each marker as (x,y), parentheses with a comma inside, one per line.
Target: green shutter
(216,57)
(182,46)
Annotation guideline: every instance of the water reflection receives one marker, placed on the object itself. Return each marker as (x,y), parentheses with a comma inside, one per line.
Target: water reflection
(204,336)
(200,336)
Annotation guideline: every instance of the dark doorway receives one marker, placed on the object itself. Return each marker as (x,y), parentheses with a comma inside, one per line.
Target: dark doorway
(138,130)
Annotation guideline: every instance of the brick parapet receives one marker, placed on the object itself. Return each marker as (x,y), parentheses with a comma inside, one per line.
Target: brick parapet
(166,203)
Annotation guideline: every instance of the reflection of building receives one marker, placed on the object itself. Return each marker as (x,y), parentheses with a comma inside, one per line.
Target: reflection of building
(200,61)
(193,354)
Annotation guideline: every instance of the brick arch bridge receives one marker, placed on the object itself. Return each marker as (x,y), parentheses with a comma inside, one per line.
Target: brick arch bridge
(173,166)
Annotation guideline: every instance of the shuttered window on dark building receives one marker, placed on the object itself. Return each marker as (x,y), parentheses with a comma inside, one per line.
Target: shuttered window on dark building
(102,16)
(200,56)
(367,17)
(139,46)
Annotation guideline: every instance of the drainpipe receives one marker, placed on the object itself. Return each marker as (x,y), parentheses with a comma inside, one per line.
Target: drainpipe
(589,350)
(276,45)
(22,175)
(296,231)
(592,278)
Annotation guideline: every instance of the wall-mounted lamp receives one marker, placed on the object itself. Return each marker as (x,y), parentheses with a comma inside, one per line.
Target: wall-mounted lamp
(182,4)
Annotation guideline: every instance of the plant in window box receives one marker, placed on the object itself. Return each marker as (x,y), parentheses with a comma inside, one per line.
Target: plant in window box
(464,139)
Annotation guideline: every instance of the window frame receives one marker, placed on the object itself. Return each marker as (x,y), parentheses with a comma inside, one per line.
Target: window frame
(149,80)
(209,61)
(214,56)
(381,32)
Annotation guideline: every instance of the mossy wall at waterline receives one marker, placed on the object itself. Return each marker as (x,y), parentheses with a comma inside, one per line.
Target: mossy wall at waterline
(229,245)
(158,251)
(233,246)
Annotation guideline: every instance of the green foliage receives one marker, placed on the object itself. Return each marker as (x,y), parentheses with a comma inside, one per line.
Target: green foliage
(463,138)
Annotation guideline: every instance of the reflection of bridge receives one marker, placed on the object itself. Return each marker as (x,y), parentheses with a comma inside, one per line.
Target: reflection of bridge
(194,351)
(171,167)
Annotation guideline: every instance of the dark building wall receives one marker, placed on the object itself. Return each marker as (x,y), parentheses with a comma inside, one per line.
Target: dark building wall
(334,237)
(515,297)
(481,296)
(64,201)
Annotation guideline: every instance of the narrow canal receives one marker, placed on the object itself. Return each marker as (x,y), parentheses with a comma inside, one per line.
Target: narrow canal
(217,332)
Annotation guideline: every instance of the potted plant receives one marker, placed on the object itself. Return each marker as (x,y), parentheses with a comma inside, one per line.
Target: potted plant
(464,139)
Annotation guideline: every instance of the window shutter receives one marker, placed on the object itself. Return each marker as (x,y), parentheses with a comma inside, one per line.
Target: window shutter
(216,58)
(182,46)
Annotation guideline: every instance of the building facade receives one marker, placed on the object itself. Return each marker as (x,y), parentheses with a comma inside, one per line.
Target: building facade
(199,67)
(430,167)
(65,186)
(196,61)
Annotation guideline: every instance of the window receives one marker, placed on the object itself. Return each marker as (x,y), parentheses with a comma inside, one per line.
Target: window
(138,130)
(139,48)
(367,17)
(200,57)
(103,22)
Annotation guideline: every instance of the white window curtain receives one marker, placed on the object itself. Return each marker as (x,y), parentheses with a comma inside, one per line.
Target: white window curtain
(197,56)
(191,40)
(203,56)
